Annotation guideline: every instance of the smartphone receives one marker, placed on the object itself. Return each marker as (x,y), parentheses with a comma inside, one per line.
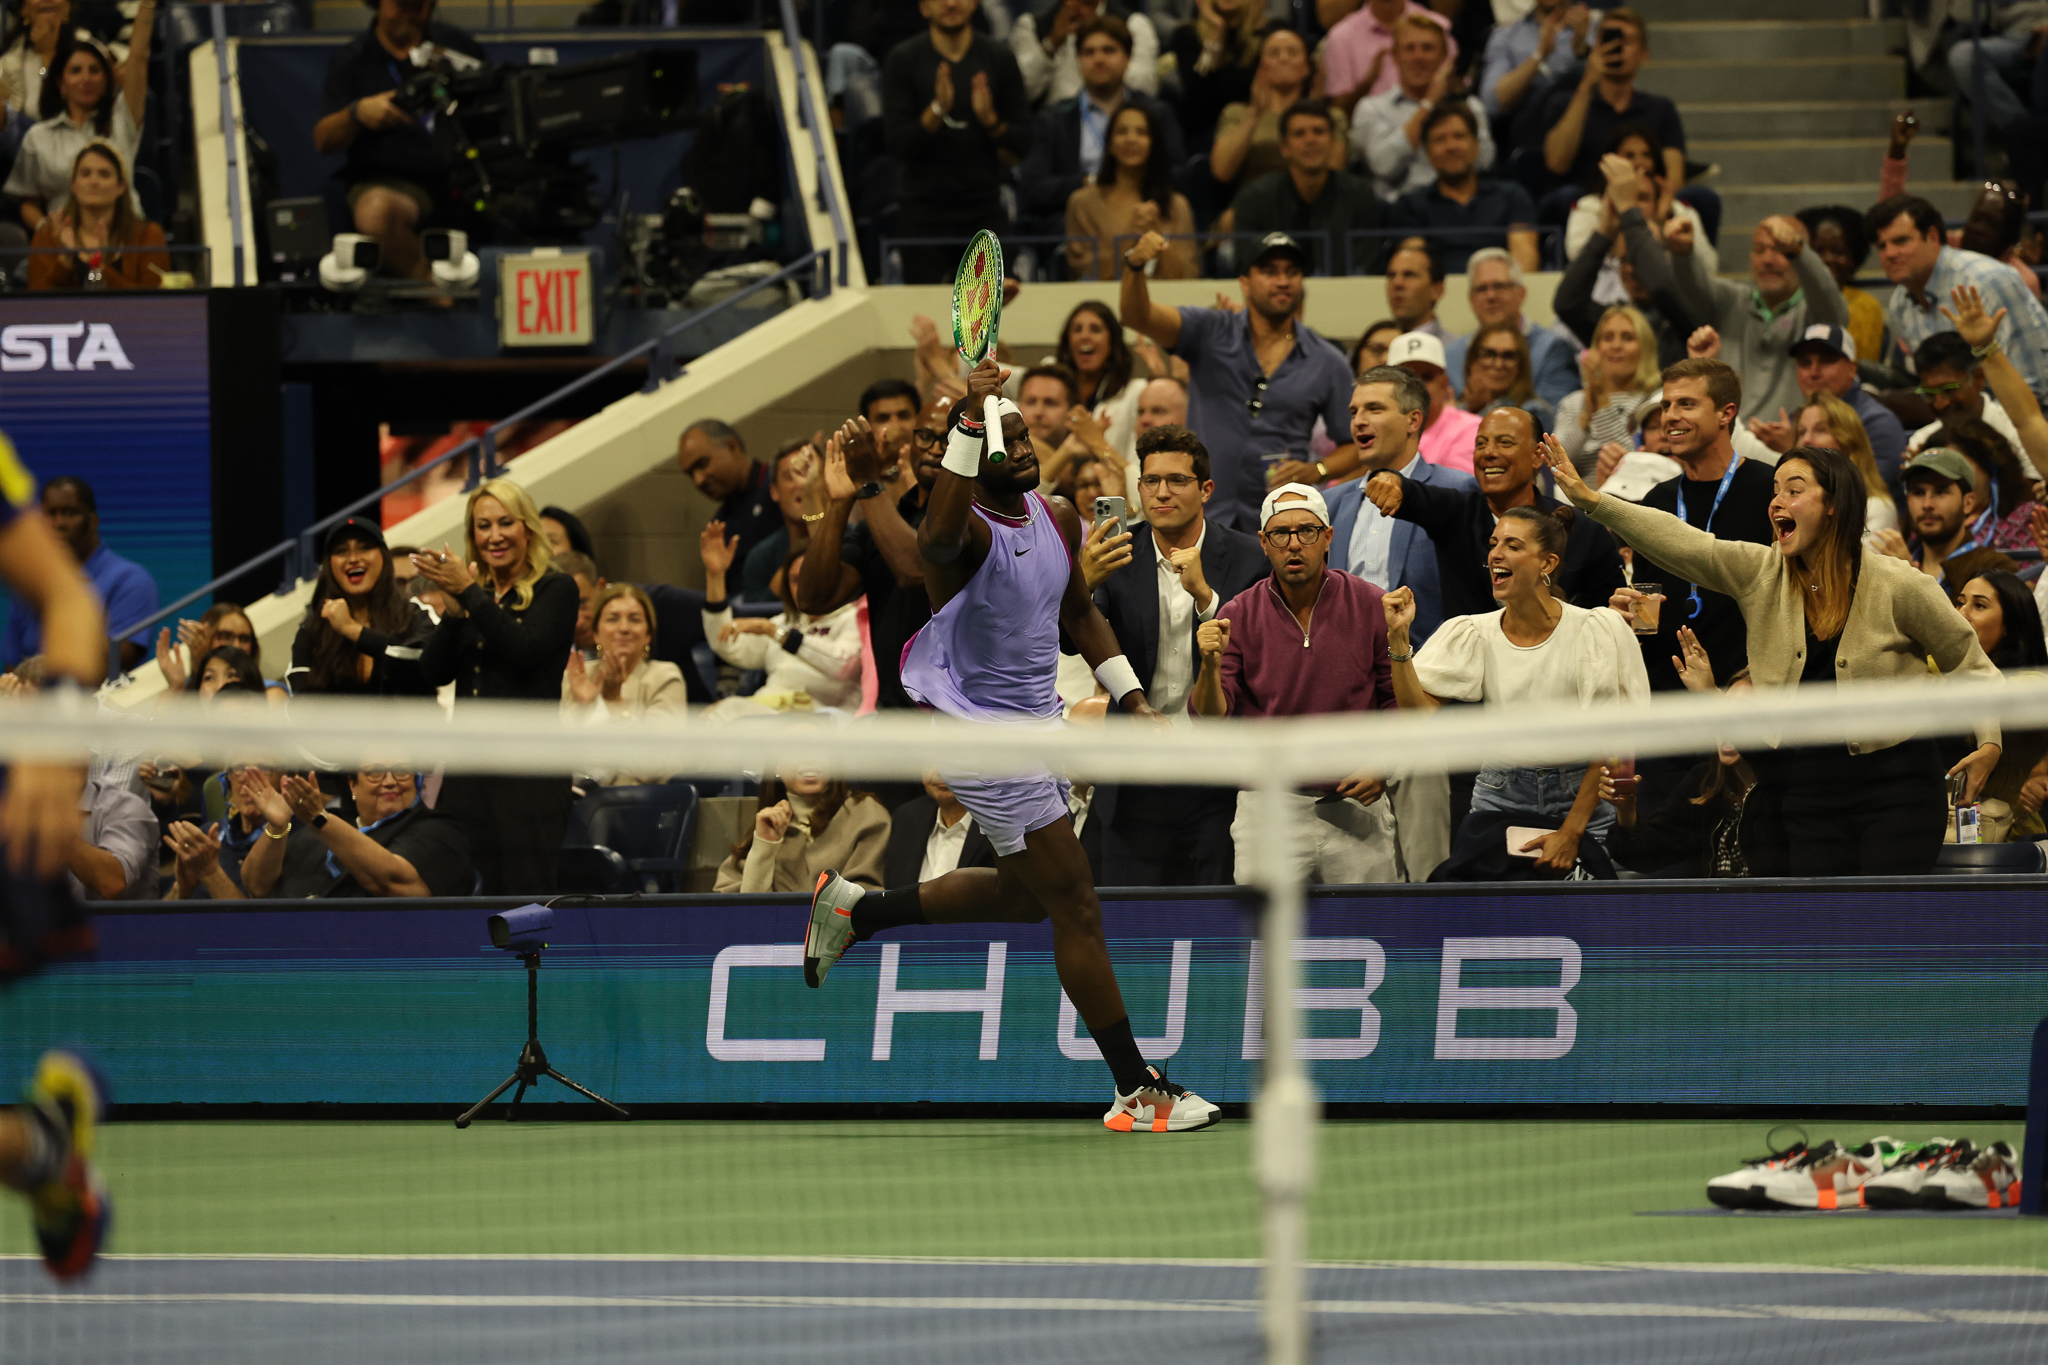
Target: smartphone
(1613,36)
(1522,834)
(1111,509)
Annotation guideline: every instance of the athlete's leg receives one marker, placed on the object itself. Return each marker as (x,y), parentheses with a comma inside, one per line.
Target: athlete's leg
(1054,871)
(981,895)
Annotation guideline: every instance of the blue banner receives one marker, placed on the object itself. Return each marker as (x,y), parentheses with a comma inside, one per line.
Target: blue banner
(1741,993)
(114,390)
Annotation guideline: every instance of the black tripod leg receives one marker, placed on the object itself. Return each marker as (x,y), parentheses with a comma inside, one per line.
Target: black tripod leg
(512,1109)
(477,1108)
(588,1094)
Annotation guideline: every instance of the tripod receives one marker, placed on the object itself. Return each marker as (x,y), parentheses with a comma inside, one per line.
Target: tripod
(533,1062)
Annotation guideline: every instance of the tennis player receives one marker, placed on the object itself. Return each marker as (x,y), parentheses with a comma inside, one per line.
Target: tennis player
(46,1143)
(1000,566)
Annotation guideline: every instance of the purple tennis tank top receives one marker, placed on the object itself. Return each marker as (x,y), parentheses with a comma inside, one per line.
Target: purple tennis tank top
(993,652)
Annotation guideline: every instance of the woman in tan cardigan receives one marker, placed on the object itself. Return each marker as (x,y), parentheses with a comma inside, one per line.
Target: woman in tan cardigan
(806,824)
(1822,607)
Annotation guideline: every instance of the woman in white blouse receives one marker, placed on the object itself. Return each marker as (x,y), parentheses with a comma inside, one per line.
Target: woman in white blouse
(816,655)
(1536,648)
(86,97)
(624,683)
(1620,369)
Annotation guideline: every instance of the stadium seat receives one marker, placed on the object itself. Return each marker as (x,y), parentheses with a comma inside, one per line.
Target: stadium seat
(626,839)
(1965,859)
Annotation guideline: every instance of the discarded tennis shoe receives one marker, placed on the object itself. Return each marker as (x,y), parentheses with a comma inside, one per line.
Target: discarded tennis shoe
(1829,1176)
(1904,1185)
(1742,1188)
(1988,1179)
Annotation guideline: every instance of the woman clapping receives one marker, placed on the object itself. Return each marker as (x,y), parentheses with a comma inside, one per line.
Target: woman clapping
(623,683)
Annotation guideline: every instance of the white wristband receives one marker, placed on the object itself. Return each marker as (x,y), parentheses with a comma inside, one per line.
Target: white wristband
(1118,676)
(963,454)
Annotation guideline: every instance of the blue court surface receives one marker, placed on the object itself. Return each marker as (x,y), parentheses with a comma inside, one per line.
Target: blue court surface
(312,1310)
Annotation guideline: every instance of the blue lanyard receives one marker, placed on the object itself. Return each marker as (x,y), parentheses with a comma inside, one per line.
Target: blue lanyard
(1693,602)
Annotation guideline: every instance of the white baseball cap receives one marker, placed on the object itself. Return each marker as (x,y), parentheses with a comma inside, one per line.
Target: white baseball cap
(1417,346)
(1300,498)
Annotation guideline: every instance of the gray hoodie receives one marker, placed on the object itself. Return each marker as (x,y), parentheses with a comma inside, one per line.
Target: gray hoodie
(1760,349)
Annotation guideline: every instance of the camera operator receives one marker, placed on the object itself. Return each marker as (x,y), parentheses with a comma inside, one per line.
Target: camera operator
(395,174)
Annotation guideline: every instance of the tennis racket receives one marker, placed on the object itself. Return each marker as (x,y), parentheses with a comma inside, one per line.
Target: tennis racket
(977,316)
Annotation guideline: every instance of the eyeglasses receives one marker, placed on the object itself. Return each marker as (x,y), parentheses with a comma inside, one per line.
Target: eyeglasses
(1258,398)
(384,774)
(1293,535)
(1939,390)
(925,436)
(1179,483)
(1510,357)
(235,637)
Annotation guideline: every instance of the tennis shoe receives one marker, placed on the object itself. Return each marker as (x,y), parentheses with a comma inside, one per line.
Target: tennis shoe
(831,929)
(1988,1179)
(1160,1107)
(1904,1185)
(1742,1189)
(71,1209)
(1826,1175)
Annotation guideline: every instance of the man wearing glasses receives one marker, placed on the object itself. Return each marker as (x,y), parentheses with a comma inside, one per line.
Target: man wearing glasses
(1312,641)
(396,846)
(1175,571)
(1498,293)
(1952,382)
(1257,380)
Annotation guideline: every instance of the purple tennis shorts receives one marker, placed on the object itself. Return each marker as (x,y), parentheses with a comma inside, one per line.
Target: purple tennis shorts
(1008,808)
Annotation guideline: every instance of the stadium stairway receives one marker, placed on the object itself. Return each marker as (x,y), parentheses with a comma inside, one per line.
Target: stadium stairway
(1793,99)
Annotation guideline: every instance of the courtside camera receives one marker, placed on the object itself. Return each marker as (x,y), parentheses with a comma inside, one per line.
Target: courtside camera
(522,930)
(454,265)
(351,262)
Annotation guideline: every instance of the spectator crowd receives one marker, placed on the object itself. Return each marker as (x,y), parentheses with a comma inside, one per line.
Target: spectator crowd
(1686,482)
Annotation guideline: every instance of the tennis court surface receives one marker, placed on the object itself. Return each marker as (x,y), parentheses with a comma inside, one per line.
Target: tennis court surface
(1028,1240)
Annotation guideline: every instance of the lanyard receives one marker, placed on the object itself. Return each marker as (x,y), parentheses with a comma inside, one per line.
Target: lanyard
(1693,602)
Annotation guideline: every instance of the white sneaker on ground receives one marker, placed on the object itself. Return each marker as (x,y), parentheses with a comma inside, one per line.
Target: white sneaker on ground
(1161,1107)
(1741,1189)
(1988,1180)
(1826,1174)
(1903,1186)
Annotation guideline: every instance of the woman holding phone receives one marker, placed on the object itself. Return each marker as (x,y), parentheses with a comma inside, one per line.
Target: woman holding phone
(1538,647)
(1821,607)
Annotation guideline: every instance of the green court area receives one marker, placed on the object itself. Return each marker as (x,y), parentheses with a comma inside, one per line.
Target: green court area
(1560,1191)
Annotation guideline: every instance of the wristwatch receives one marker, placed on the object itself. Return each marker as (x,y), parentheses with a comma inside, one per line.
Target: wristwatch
(867,490)
(317,821)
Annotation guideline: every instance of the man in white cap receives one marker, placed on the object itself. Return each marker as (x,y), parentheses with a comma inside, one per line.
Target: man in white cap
(1826,360)
(1448,429)
(1312,641)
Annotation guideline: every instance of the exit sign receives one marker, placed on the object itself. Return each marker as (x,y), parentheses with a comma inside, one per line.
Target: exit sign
(544,299)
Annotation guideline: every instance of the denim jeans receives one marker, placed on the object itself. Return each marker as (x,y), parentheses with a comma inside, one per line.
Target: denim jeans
(1548,792)
(2006,70)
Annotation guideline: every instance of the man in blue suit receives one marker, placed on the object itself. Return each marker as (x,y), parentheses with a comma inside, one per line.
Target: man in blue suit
(1155,586)
(1387,411)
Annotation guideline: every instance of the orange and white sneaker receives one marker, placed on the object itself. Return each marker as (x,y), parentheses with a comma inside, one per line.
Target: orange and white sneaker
(831,929)
(1161,1107)
(1986,1179)
(1829,1176)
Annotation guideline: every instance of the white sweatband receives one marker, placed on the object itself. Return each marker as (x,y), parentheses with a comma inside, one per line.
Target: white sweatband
(1118,676)
(963,453)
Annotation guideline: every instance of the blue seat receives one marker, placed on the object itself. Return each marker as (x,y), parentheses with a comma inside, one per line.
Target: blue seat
(627,839)
(1967,859)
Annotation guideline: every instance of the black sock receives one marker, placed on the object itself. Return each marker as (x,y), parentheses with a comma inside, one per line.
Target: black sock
(879,910)
(1120,1050)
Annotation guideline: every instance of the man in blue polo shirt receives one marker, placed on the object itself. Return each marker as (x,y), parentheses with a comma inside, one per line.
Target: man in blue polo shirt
(1257,380)
(125,587)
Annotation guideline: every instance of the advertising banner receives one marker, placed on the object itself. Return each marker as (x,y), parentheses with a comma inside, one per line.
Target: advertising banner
(1686,994)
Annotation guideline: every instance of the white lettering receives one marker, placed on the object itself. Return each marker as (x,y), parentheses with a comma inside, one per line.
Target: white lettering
(1453,996)
(987,1002)
(102,347)
(753,1049)
(22,347)
(1082,1048)
(1346,998)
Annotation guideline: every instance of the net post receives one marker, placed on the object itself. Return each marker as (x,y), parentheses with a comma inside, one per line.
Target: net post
(1284,1116)
(2034,1157)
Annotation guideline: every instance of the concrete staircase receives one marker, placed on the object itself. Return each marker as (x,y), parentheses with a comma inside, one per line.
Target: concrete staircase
(1794,100)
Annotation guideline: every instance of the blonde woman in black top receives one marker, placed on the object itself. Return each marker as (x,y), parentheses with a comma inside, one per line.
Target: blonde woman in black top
(511,622)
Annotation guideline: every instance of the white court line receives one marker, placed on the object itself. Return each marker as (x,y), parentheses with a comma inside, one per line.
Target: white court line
(988,1304)
(709,1258)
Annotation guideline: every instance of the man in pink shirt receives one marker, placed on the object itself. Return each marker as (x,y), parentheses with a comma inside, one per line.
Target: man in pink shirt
(1358,55)
(1448,430)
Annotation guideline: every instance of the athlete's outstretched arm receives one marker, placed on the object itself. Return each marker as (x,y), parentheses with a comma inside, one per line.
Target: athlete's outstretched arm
(39,812)
(1089,629)
(951,540)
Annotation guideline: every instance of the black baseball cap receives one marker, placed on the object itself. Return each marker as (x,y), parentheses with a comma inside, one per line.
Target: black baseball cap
(354,528)
(1280,244)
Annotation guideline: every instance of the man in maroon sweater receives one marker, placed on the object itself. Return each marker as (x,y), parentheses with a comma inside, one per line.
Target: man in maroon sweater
(1311,641)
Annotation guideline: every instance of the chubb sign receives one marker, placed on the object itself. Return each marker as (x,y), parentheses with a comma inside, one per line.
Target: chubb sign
(61,346)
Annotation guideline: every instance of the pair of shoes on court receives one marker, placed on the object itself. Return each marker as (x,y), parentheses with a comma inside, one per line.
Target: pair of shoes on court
(1940,1173)
(70,1208)
(1159,1106)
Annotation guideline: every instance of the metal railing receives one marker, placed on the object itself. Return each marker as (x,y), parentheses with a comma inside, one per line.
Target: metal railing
(810,114)
(301,553)
(1361,248)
